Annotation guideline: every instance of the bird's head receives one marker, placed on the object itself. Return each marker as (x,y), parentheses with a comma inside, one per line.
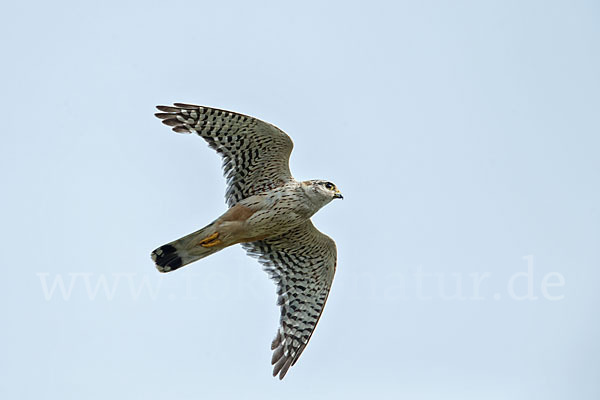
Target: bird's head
(321,192)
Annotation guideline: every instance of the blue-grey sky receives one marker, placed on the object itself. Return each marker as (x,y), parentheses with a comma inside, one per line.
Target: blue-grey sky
(464,136)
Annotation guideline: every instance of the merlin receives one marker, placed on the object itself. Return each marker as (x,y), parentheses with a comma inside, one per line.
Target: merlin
(269,215)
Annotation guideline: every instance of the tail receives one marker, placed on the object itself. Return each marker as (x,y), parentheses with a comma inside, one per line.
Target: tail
(186,250)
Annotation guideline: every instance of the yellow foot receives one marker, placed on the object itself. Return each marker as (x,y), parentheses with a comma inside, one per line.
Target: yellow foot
(210,241)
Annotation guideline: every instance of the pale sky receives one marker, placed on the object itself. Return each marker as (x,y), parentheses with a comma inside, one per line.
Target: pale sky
(464,136)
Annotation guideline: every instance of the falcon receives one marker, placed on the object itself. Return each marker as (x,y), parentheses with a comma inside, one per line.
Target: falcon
(269,215)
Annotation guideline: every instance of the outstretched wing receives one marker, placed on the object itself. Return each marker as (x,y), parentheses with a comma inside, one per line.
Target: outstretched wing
(302,263)
(255,153)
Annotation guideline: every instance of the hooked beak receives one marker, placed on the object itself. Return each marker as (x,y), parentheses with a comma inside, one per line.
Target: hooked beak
(338,195)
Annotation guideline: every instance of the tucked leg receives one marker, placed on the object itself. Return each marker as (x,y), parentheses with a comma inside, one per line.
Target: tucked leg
(210,241)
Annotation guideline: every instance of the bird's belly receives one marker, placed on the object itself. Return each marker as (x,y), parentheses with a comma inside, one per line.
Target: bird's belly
(273,222)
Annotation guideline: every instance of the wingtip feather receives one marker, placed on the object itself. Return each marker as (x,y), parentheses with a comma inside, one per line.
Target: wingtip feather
(167,108)
(185,105)
(171,122)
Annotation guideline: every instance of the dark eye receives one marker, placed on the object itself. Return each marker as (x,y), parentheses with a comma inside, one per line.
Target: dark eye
(329,186)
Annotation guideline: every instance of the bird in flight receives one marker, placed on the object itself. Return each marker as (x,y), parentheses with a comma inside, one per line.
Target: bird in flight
(269,215)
